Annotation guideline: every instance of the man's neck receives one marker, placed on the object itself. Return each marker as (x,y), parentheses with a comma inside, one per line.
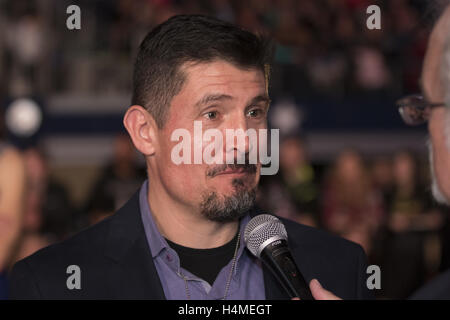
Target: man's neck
(186,226)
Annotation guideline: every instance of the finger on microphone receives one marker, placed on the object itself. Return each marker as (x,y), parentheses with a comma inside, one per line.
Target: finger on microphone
(319,293)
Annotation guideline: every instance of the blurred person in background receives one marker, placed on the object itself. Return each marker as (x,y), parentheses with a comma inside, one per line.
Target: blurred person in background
(370,72)
(382,175)
(48,211)
(351,206)
(410,204)
(25,44)
(100,207)
(293,192)
(118,180)
(12,191)
(434,107)
(409,252)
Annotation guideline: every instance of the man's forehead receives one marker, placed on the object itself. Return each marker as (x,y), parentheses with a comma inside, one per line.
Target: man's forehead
(221,73)
(217,82)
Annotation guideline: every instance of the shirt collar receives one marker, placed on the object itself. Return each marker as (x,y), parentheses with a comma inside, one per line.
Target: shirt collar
(156,241)
(154,238)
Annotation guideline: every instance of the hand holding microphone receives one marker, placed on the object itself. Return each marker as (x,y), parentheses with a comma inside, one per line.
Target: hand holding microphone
(266,238)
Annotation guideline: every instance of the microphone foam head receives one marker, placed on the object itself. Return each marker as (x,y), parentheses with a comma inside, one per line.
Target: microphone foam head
(262,230)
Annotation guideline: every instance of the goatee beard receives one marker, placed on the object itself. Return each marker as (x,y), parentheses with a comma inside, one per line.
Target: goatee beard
(228,208)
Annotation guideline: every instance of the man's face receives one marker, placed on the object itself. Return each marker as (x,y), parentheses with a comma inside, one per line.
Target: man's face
(439,123)
(219,96)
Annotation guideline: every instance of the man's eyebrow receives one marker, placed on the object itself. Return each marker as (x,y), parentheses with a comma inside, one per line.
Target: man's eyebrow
(260,98)
(214,97)
(208,98)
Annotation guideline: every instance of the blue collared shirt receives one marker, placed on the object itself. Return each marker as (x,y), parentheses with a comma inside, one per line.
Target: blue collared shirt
(247,281)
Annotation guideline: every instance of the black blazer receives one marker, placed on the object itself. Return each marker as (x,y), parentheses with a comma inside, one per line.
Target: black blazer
(436,289)
(116,263)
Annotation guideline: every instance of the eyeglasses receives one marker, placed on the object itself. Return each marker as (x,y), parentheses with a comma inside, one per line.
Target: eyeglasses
(415,109)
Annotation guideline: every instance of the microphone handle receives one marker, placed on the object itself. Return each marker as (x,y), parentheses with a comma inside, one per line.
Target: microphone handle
(277,257)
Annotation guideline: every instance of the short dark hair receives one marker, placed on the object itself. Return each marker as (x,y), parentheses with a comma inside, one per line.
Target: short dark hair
(157,77)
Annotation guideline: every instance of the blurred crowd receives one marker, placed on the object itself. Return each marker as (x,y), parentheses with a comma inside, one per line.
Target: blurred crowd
(40,211)
(324,49)
(324,46)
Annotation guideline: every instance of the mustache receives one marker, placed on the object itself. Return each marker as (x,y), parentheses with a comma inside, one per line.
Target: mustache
(246,167)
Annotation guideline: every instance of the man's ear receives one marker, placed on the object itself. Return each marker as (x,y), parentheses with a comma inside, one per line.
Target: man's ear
(142,129)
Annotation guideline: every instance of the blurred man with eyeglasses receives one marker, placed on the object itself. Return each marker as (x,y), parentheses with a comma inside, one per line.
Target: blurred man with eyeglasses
(431,106)
(434,106)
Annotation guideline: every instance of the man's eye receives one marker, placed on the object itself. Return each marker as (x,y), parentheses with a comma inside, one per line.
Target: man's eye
(254,113)
(211,115)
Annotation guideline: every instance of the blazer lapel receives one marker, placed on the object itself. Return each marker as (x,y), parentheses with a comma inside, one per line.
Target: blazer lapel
(133,274)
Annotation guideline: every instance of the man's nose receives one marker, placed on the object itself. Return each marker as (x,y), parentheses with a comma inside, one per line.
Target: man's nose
(237,140)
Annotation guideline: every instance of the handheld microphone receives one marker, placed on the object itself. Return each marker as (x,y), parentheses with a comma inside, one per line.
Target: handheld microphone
(266,238)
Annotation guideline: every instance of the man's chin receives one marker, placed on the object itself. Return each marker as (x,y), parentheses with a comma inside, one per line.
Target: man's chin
(227,208)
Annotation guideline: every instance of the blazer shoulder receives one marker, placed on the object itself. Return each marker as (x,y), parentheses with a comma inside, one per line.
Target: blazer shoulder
(117,231)
(82,248)
(31,277)
(318,238)
(95,253)
(437,289)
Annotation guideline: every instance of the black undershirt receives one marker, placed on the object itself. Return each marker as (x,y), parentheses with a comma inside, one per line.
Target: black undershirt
(205,263)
